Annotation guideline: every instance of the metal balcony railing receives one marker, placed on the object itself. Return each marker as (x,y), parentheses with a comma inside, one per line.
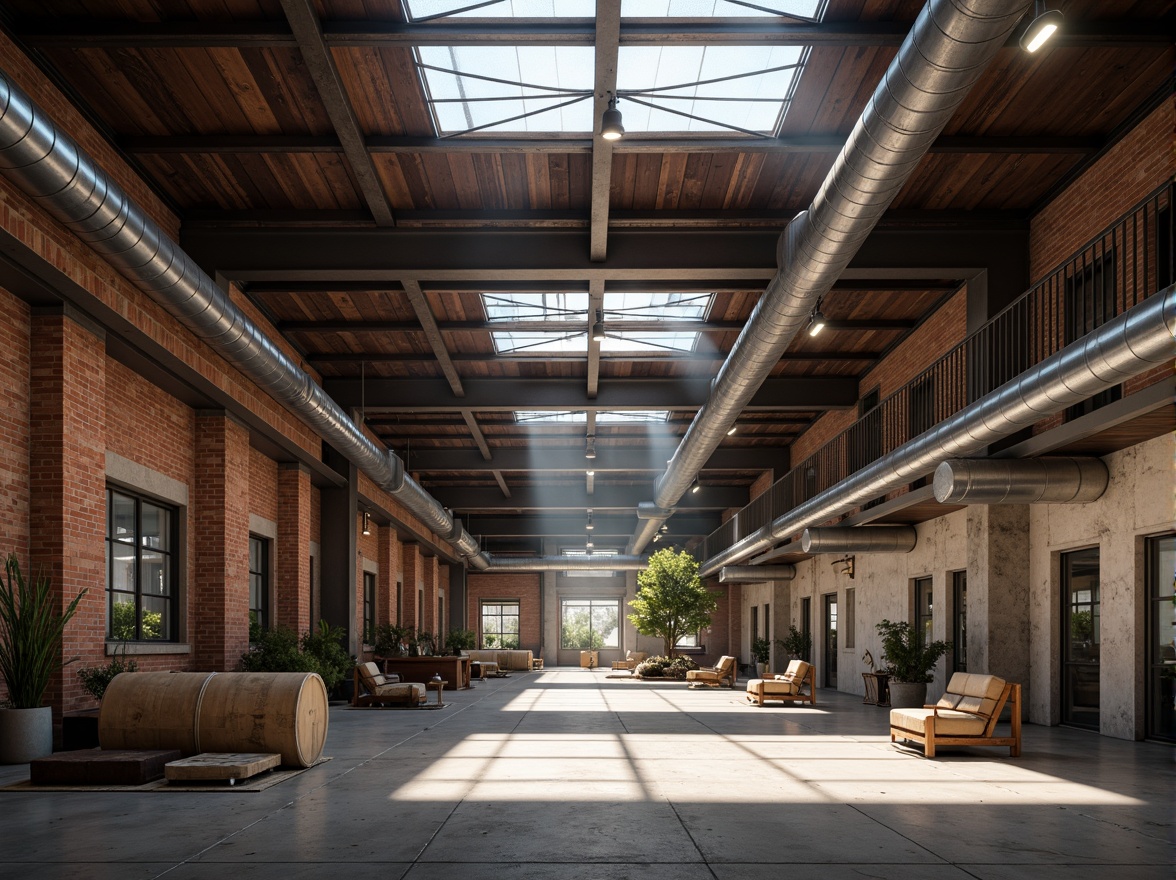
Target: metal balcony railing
(1129,261)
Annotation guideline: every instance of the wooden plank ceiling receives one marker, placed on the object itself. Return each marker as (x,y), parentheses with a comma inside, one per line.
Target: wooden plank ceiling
(291,129)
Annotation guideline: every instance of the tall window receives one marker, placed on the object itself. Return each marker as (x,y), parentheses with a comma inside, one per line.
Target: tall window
(500,624)
(1081,633)
(768,621)
(259,581)
(923,609)
(850,619)
(959,626)
(1161,672)
(141,566)
(806,615)
(590,624)
(369,607)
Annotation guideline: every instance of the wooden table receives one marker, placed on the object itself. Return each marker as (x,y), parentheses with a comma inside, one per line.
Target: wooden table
(438,686)
(455,670)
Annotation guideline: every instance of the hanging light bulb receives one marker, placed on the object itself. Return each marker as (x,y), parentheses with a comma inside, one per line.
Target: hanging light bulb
(611,128)
(598,327)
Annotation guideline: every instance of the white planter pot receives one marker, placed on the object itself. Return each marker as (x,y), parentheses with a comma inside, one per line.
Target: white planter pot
(25,734)
(761,669)
(907,694)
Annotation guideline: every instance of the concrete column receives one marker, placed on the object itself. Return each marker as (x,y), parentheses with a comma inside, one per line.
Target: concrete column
(67,485)
(998,592)
(292,564)
(220,593)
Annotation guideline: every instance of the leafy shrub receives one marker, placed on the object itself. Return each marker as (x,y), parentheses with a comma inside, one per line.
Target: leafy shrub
(95,679)
(652,667)
(325,645)
(276,650)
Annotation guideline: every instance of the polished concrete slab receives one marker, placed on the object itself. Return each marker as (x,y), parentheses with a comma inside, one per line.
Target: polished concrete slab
(569,774)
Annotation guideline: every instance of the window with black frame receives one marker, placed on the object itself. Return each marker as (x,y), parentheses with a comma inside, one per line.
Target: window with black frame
(141,568)
(369,607)
(959,629)
(500,624)
(259,582)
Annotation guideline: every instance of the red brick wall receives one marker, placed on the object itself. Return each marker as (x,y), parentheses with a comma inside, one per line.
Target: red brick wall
(14,426)
(1135,166)
(148,426)
(292,562)
(67,521)
(263,486)
(522,587)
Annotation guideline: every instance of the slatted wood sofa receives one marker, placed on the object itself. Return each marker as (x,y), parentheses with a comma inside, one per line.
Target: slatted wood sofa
(788,686)
(966,715)
(726,670)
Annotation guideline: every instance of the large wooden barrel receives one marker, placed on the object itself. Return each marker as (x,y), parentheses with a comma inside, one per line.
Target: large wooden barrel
(283,712)
(152,710)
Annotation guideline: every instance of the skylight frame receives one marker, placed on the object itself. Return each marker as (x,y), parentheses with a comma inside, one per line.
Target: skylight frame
(603,417)
(493,10)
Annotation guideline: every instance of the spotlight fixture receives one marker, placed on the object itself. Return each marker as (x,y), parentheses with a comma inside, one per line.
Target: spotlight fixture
(611,128)
(816,321)
(588,544)
(1045,24)
(598,327)
(589,526)
(590,473)
(367,523)
(657,537)
(695,487)
(664,530)
(732,430)
(590,448)
(846,563)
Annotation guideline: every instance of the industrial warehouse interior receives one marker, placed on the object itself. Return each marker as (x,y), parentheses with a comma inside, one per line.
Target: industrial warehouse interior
(423,335)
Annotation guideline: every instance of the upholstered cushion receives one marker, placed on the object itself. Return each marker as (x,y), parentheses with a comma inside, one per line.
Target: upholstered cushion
(775,685)
(702,675)
(948,723)
(410,690)
(372,677)
(797,671)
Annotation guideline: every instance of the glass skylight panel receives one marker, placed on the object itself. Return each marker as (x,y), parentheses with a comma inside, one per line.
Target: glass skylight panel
(422,10)
(706,88)
(508,88)
(535,306)
(643,306)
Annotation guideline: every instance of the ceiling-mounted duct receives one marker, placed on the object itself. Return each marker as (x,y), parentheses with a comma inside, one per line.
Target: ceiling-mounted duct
(743,574)
(1020,481)
(865,539)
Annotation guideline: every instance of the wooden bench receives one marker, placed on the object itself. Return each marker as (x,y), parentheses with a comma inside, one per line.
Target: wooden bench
(966,715)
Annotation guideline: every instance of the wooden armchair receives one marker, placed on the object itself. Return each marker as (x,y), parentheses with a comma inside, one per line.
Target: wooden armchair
(966,715)
(374,688)
(788,686)
(726,670)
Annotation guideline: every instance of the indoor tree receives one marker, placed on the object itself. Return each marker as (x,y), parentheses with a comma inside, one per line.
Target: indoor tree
(671,601)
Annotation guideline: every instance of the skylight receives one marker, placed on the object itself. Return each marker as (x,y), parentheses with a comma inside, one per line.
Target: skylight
(673,88)
(423,10)
(604,417)
(519,309)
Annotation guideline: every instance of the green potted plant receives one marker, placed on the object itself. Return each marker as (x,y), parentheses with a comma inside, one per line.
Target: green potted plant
(909,663)
(31,631)
(458,641)
(761,649)
(389,640)
(797,645)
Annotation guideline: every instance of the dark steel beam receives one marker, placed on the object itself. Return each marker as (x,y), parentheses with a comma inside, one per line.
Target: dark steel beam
(606,525)
(541,459)
(464,499)
(78,33)
(668,325)
(632,357)
(509,395)
(634,143)
(384,256)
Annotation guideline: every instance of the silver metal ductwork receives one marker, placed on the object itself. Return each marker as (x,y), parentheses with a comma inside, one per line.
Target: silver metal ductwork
(1125,346)
(47,165)
(944,54)
(866,539)
(754,574)
(1021,481)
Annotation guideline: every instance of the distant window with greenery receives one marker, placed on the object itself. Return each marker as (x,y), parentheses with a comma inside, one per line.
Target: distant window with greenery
(141,566)
(259,582)
(590,624)
(369,607)
(500,624)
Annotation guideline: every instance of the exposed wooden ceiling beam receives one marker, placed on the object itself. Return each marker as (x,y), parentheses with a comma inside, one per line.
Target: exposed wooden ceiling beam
(594,380)
(509,395)
(632,143)
(608,28)
(575,497)
(420,305)
(606,524)
(669,325)
(609,458)
(498,478)
(44,33)
(304,23)
(480,439)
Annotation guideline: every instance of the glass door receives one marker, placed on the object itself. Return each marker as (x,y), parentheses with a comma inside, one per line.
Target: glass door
(1161,660)
(1080,633)
(806,615)
(830,657)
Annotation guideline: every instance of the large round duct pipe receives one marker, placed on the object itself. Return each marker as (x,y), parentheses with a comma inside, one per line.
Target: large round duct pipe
(947,49)
(47,165)
(1021,481)
(754,574)
(866,539)
(1125,346)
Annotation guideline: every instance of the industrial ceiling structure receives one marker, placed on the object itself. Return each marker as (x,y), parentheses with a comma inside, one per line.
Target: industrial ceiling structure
(421,199)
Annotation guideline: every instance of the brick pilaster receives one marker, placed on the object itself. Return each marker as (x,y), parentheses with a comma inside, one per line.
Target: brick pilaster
(292,563)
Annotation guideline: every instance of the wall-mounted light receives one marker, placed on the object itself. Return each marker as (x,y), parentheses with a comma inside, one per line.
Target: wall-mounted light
(846,563)
(367,523)
(598,327)
(817,321)
(1045,24)
(611,128)
(590,447)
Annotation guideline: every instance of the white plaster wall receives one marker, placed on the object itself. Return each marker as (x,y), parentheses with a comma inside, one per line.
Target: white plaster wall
(1138,503)
(776,595)
(882,583)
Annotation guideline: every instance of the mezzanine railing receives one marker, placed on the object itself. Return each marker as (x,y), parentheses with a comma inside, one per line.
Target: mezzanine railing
(1129,261)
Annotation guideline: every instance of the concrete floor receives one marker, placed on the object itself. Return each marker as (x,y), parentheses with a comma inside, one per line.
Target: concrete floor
(568,774)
